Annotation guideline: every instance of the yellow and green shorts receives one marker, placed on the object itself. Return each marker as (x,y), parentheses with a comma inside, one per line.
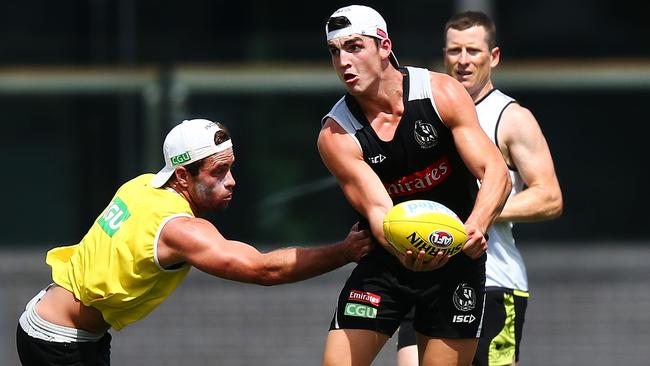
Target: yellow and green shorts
(505,313)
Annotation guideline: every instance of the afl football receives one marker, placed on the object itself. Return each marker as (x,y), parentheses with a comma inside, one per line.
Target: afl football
(424,225)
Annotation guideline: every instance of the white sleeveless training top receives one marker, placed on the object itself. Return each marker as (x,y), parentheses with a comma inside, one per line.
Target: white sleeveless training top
(505,266)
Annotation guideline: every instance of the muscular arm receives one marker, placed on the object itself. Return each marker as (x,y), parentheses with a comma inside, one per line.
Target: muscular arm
(361,186)
(478,152)
(523,145)
(197,242)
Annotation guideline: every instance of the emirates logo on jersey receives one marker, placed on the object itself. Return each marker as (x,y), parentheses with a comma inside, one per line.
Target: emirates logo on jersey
(425,135)
(422,180)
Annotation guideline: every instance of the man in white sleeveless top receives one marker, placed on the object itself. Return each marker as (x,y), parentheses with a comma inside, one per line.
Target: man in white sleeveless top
(470,54)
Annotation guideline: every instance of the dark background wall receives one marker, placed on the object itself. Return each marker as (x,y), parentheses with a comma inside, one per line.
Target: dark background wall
(147,31)
(65,155)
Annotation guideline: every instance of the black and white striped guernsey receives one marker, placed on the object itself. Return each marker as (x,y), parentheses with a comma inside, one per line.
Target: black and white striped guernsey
(421,161)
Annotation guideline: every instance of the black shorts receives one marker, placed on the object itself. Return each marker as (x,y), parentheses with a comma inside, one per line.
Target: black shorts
(505,313)
(406,333)
(37,352)
(381,291)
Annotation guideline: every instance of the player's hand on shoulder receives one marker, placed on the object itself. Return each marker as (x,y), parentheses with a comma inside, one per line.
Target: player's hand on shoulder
(476,244)
(358,243)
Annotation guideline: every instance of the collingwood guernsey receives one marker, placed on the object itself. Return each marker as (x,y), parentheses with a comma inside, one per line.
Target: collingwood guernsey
(421,161)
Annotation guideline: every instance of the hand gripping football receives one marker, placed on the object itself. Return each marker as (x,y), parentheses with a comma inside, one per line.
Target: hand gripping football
(424,225)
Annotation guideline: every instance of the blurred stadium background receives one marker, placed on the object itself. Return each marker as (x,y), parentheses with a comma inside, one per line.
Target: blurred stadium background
(89,88)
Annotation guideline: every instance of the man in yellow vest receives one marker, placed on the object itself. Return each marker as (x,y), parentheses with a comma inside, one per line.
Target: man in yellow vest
(143,245)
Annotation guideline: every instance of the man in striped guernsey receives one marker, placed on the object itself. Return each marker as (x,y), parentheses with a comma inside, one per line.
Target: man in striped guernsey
(470,54)
(400,134)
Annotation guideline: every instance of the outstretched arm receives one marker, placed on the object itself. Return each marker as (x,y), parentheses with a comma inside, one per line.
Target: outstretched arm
(197,242)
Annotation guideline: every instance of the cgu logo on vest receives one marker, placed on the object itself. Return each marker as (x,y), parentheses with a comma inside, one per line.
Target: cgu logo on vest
(115,215)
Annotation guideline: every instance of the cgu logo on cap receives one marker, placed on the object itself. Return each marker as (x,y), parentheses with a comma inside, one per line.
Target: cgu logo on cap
(180,159)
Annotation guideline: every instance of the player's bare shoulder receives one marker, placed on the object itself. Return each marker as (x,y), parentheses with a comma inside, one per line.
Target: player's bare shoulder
(445,83)
(439,79)
(450,97)
(185,233)
(517,122)
(516,111)
(331,135)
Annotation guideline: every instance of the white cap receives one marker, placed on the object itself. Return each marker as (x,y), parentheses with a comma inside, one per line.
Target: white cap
(363,20)
(189,141)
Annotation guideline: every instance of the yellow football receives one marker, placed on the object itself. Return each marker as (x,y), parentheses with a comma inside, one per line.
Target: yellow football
(424,225)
